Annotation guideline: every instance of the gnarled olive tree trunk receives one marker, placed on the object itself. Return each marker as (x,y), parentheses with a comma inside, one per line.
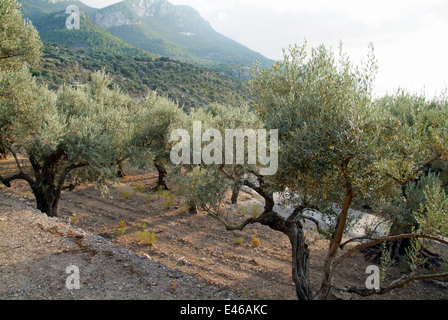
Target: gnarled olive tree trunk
(47,199)
(299,252)
(162,173)
(48,182)
(292,228)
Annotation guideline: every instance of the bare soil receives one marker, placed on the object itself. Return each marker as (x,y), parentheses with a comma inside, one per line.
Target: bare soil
(199,246)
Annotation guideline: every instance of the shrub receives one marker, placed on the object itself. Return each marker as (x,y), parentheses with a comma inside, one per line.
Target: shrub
(74,219)
(255,240)
(255,211)
(120,231)
(239,241)
(121,224)
(146,237)
(127,196)
(147,197)
(159,191)
(142,226)
(168,200)
(138,188)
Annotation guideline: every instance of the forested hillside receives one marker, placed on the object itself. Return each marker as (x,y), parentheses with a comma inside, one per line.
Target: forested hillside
(144,28)
(185,83)
(69,56)
(51,26)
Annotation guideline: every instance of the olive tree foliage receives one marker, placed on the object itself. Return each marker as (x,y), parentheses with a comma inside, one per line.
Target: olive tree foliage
(20,45)
(206,185)
(19,95)
(411,194)
(414,148)
(20,41)
(157,116)
(322,107)
(432,215)
(71,136)
(416,129)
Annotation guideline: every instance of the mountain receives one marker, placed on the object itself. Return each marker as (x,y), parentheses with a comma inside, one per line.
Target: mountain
(187,84)
(71,55)
(172,30)
(49,18)
(156,26)
(36,10)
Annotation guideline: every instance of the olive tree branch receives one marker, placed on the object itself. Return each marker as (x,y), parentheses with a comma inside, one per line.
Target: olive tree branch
(19,176)
(415,172)
(399,282)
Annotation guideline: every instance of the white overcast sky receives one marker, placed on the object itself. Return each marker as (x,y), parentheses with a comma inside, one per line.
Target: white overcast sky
(410,36)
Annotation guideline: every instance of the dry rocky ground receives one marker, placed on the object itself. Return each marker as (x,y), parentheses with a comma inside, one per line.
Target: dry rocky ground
(36,251)
(192,256)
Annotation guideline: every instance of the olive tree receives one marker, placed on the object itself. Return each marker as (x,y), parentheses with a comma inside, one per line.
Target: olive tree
(20,45)
(320,111)
(156,117)
(206,181)
(335,146)
(20,41)
(208,184)
(70,136)
(332,152)
(414,148)
(322,108)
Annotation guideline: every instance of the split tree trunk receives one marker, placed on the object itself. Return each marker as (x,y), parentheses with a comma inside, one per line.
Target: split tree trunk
(48,185)
(299,249)
(161,183)
(49,180)
(46,192)
(47,200)
(300,261)
(300,253)
(290,227)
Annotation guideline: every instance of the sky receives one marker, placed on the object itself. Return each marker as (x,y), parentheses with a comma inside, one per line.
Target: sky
(409,36)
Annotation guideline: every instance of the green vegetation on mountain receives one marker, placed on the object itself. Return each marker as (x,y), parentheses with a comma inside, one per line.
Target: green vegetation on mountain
(70,55)
(38,9)
(90,36)
(185,83)
(20,42)
(140,28)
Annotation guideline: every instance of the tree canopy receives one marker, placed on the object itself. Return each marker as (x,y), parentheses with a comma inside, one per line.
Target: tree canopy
(338,146)
(20,41)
